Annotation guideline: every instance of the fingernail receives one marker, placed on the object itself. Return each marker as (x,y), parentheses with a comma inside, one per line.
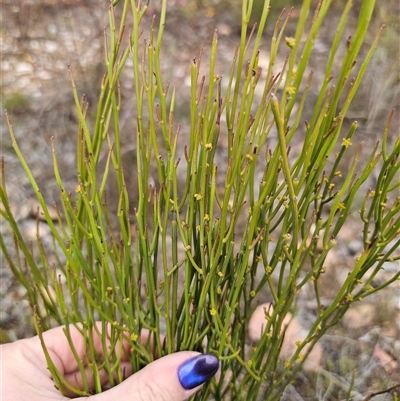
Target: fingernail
(197,370)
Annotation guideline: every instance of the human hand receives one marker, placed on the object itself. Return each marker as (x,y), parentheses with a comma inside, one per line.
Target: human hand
(25,375)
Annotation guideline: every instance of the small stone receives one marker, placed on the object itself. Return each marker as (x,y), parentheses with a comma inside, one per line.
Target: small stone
(4,318)
(295,332)
(359,316)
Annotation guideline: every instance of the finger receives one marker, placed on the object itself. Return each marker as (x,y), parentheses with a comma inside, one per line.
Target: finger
(57,344)
(61,355)
(174,377)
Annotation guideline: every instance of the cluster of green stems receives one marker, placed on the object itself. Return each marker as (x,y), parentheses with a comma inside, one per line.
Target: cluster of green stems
(191,259)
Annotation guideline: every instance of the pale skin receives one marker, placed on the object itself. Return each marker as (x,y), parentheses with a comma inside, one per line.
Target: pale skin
(25,376)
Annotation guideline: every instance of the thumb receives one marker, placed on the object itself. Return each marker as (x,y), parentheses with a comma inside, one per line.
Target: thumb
(173,377)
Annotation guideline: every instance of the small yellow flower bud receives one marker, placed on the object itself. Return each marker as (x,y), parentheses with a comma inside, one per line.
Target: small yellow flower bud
(291,90)
(346,142)
(291,42)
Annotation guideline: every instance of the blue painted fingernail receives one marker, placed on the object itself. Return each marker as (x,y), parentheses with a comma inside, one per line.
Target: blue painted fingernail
(197,370)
